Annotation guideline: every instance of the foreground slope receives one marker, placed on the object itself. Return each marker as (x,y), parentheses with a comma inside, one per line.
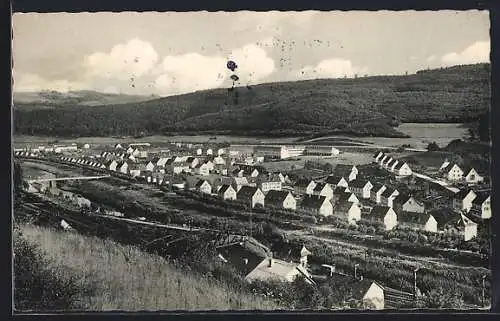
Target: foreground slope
(124,278)
(363,106)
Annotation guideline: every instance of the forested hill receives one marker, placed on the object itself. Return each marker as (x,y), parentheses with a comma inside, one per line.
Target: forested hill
(362,106)
(52,99)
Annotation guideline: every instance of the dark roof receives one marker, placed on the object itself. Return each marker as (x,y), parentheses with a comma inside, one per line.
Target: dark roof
(446,216)
(379,212)
(276,196)
(343,206)
(190,159)
(399,165)
(377,186)
(224,188)
(319,187)
(341,169)
(155,160)
(236,255)
(377,153)
(462,193)
(414,218)
(200,182)
(313,201)
(480,198)
(348,287)
(303,182)
(340,190)
(358,183)
(392,162)
(334,179)
(246,192)
(288,250)
(345,197)
(402,198)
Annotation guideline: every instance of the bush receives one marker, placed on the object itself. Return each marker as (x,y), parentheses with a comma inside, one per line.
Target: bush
(40,286)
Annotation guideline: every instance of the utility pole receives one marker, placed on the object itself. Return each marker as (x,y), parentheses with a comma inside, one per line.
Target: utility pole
(356,271)
(483,292)
(415,282)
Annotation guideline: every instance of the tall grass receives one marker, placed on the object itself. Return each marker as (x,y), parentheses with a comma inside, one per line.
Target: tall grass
(127,279)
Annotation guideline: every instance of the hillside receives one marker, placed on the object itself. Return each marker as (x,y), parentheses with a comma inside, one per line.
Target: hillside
(364,106)
(52,99)
(96,275)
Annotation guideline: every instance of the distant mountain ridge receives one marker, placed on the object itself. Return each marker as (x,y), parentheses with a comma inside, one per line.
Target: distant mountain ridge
(76,98)
(367,106)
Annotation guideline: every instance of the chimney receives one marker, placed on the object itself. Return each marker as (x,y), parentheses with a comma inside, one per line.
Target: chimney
(270,262)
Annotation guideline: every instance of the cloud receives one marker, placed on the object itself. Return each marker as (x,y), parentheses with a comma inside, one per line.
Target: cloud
(329,68)
(28,82)
(131,60)
(476,53)
(193,71)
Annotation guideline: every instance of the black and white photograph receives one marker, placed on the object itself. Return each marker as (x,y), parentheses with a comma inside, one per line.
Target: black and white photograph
(251,161)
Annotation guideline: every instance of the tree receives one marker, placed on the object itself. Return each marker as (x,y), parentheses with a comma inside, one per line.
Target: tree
(433,147)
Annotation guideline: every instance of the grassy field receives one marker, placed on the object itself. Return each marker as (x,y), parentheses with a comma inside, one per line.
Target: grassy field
(145,282)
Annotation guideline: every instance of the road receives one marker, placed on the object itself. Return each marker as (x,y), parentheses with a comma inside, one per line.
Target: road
(442,183)
(363,145)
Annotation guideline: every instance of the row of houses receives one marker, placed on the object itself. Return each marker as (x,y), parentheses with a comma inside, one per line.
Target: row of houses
(283,151)
(399,168)
(454,173)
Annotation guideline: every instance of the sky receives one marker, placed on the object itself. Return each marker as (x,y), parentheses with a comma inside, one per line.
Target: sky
(168,53)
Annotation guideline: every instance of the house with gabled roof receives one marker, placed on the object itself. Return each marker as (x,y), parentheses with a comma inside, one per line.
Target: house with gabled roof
(384,215)
(304,186)
(227,192)
(462,200)
(407,203)
(383,159)
(112,165)
(251,195)
(455,223)
(471,176)
(348,211)
(323,189)
(361,188)
(402,169)
(348,171)
(280,199)
(451,171)
(203,186)
(418,221)
(316,205)
(336,181)
(386,162)
(481,206)
(376,192)
(150,166)
(268,183)
(348,197)
(377,156)
(391,166)
(388,196)
(123,167)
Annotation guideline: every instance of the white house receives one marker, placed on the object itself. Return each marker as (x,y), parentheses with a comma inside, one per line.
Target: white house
(378,156)
(407,203)
(204,186)
(124,168)
(418,221)
(150,166)
(348,211)
(202,169)
(251,195)
(402,169)
(199,151)
(304,187)
(481,206)
(451,172)
(219,160)
(336,181)
(112,165)
(323,189)
(388,196)
(348,171)
(462,200)
(227,192)
(317,205)
(392,165)
(472,177)
(385,215)
(280,199)
(376,192)
(361,188)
